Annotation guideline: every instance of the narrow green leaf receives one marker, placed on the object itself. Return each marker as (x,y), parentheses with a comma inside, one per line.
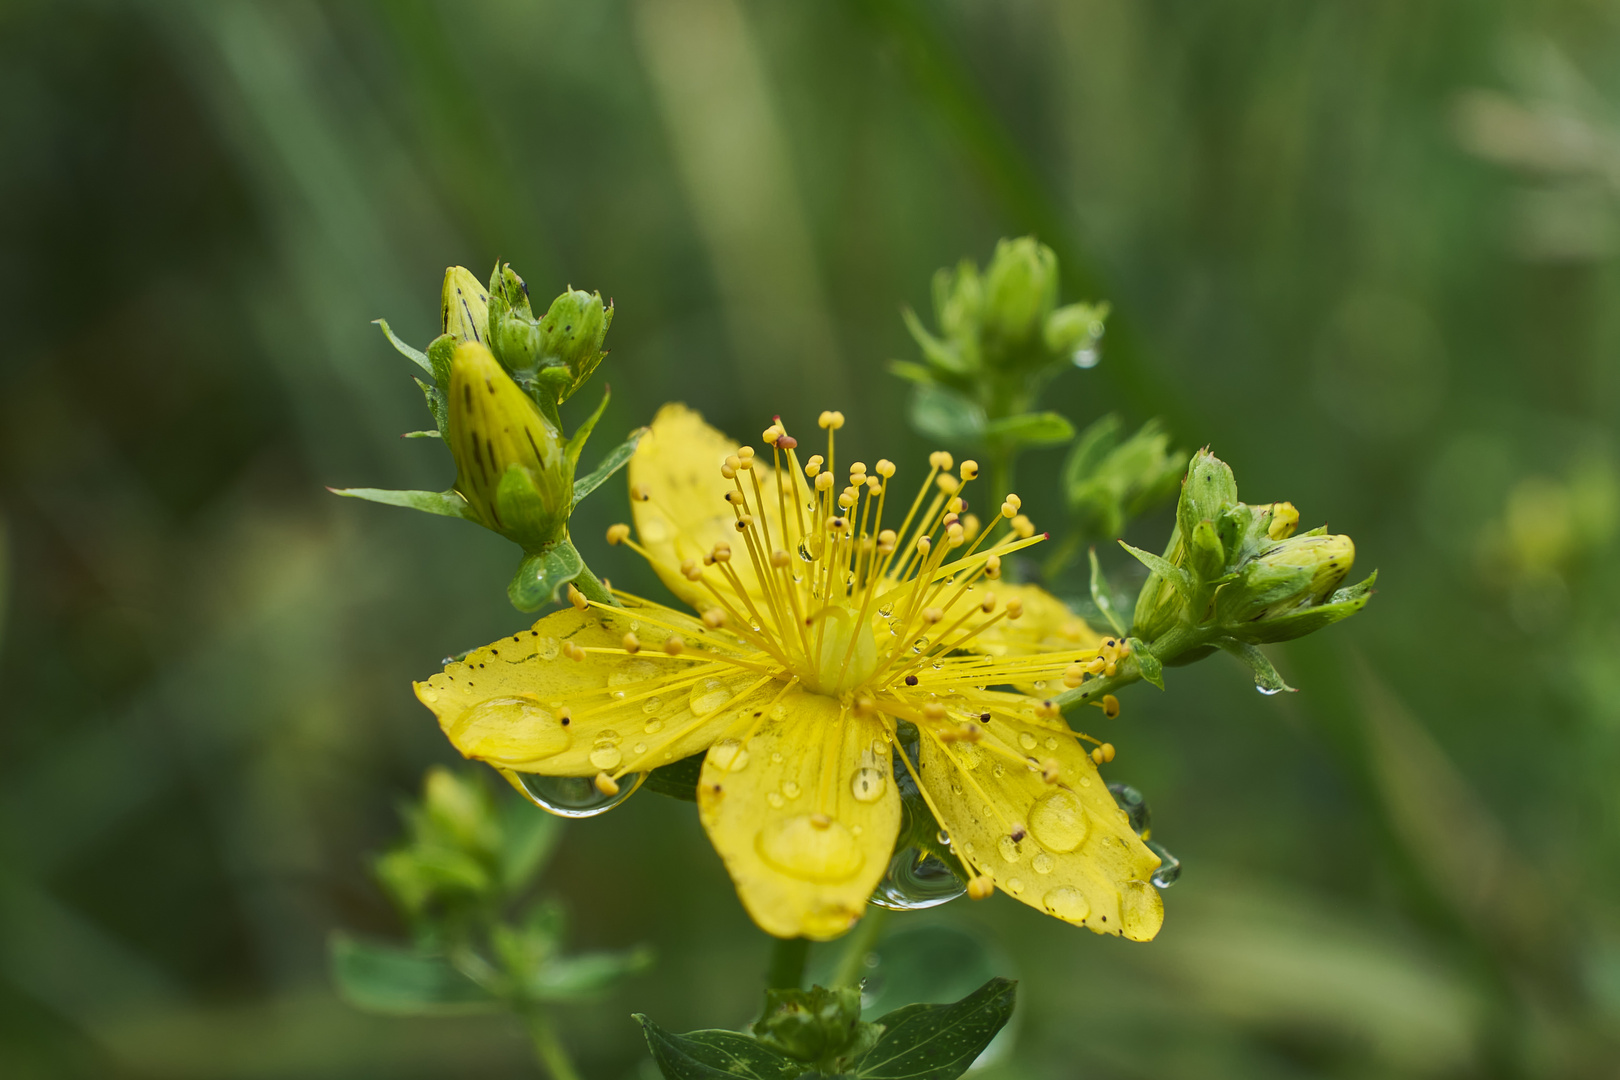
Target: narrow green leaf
(946,415)
(422,435)
(570,978)
(1167,570)
(438,405)
(403,982)
(1266,678)
(911,372)
(576,444)
(1148,664)
(416,355)
(443,503)
(1031,429)
(542,573)
(617,458)
(937,1042)
(942,355)
(1102,597)
(715,1055)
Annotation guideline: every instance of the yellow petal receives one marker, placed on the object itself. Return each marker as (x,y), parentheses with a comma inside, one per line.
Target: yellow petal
(1047,624)
(678,463)
(1065,847)
(805,815)
(520,703)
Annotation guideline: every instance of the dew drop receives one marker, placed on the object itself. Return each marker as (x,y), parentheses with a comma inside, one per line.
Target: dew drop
(804,553)
(776,800)
(1010,849)
(728,755)
(639,748)
(970,756)
(822,852)
(776,757)
(1141,911)
(1058,821)
(605,755)
(574,796)
(868,785)
(1015,885)
(1133,807)
(652,705)
(509,731)
(1043,863)
(547,648)
(790,789)
(915,880)
(1051,743)
(1169,871)
(707,696)
(1269,691)
(1067,903)
(1026,740)
(943,837)
(653,726)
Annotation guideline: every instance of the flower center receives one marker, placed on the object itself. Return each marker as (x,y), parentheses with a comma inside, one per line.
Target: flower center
(848,654)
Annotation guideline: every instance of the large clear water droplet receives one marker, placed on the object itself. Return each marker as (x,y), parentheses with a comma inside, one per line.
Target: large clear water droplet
(1067,903)
(574,796)
(868,785)
(1087,357)
(916,880)
(804,553)
(1169,870)
(1135,806)
(1268,691)
(707,696)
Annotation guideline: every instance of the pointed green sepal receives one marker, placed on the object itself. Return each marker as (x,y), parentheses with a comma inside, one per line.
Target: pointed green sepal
(416,355)
(443,503)
(1175,575)
(1101,596)
(1266,679)
(542,573)
(1147,663)
(616,459)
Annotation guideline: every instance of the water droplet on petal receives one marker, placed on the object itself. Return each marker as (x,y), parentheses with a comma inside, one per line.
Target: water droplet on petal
(868,785)
(707,696)
(1058,821)
(1015,886)
(776,800)
(1026,740)
(943,837)
(1141,911)
(605,755)
(653,726)
(547,648)
(790,789)
(818,851)
(1043,863)
(1010,849)
(651,705)
(729,755)
(1269,691)
(1067,903)
(915,880)
(574,796)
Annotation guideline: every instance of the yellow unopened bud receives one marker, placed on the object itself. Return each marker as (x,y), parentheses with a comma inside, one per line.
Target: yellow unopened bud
(464,307)
(1284,520)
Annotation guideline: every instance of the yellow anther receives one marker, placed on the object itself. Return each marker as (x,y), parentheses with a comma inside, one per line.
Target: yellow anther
(846,500)
(617,534)
(873,484)
(564,714)
(1024,527)
(771,434)
(988,604)
(639,492)
(632,644)
(971,526)
(1284,519)
(1051,770)
(933,711)
(865,705)
(838,524)
(577,598)
(923,544)
(820,821)
(815,459)
(745,452)
(940,459)
(956,505)
(690,570)
(1074,676)
(1008,510)
(743,521)
(606,785)
(1014,500)
(932,615)
(981,888)
(1103,754)
(885,468)
(835,420)
(735,498)
(992,567)
(824,481)
(1047,710)
(1015,608)
(674,645)
(1110,668)
(969,470)
(954,535)
(721,552)
(728,470)
(572,651)
(857,469)
(1110,708)
(949,519)
(949,484)
(887,537)
(780,558)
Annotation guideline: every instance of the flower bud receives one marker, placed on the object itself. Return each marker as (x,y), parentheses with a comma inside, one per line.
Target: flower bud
(1208,491)
(514,334)
(1295,577)
(573,330)
(811,1025)
(511,465)
(553,355)
(464,306)
(1020,291)
(1206,553)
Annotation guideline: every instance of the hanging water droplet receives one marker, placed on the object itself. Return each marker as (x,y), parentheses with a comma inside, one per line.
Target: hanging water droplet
(804,553)
(1141,911)
(574,796)
(1135,806)
(1169,870)
(1268,691)
(1039,684)
(916,880)
(943,837)
(868,785)
(886,610)
(1087,357)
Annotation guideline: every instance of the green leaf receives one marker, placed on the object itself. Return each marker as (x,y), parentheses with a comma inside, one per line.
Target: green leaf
(937,1042)
(617,458)
(542,573)
(403,982)
(1176,576)
(416,355)
(715,1055)
(576,444)
(1101,596)
(1031,429)
(1147,663)
(1090,450)
(443,503)
(570,978)
(678,779)
(913,373)
(529,836)
(422,435)
(1265,676)
(940,354)
(946,415)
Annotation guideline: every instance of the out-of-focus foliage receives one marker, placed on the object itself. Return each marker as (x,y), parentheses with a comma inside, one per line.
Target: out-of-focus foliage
(1368,253)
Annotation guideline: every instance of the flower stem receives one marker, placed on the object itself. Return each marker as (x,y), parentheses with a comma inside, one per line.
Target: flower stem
(857,946)
(786,971)
(547,1047)
(593,589)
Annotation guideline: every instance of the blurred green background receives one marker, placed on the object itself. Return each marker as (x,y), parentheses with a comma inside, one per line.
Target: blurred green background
(1366,250)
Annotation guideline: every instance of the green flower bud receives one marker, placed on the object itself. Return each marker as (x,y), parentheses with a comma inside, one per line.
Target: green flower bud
(1293,577)
(1208,491)
(811,1025)
(514,333)
(464,306)
(1208,554)
(573,330)
(511,464)
(1020,291)
(958,300)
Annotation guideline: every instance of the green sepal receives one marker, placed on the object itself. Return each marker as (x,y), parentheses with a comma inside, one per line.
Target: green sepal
(1205,552)
(1341,605)
(1101,596)
(439,352)
(942,355)
(1175,575)
(576,443)
(1031,429)
(438,405)
(524,512)
(943,414)
(1151,668)
(542,573)
(936,1042)
(678,779)
(416,355)
(423,434)
(616,459)
(715,1055)
(387,979)
(443,503)
(1266,677)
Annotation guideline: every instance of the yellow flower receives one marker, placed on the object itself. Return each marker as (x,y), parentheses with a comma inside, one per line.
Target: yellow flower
(819,627)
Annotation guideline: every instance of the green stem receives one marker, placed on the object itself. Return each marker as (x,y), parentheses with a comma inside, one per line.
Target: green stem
(547,1047)
(786,970)
(1169,646)
(593,589)
(857,946)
